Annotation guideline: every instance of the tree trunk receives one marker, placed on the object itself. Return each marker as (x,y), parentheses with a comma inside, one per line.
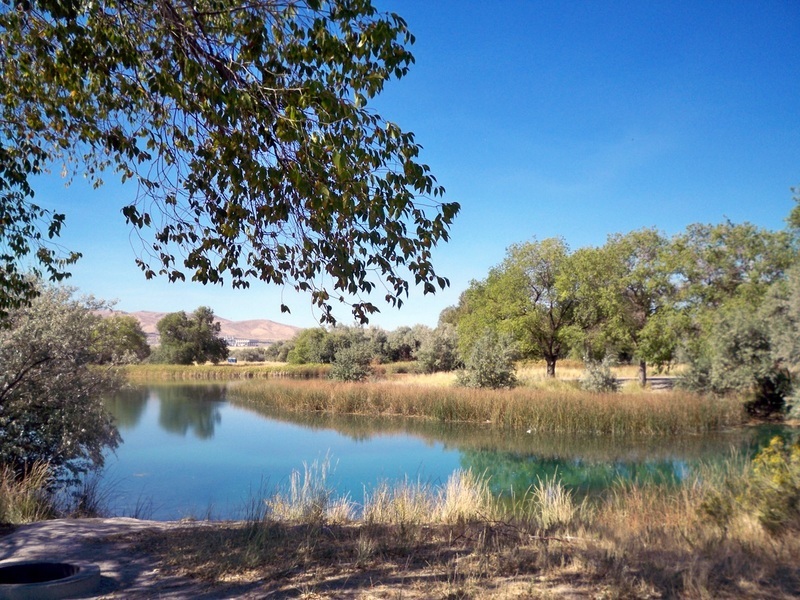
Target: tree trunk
(551,367)
(642,373)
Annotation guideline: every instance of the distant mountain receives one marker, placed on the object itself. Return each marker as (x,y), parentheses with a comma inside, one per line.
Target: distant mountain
(260,331)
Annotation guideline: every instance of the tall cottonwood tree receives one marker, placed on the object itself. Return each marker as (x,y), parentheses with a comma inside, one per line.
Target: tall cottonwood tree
(532,296)
(187,339)
(628,282)
(246,128)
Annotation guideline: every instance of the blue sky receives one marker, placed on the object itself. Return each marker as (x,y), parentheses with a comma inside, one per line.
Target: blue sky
(573,119)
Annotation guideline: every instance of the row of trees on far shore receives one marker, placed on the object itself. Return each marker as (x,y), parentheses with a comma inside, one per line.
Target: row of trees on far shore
(641,297)
(722,299)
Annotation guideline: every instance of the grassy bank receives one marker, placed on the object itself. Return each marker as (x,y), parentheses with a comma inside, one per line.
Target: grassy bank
(728,532)
(144,373)
(566,411)
(456,541)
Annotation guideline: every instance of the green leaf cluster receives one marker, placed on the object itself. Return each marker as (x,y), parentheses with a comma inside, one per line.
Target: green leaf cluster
(119,339)
(247,130)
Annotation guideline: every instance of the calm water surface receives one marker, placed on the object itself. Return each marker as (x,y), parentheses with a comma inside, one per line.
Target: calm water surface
(187,451)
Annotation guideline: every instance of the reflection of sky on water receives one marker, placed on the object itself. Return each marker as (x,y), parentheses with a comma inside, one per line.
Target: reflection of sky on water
(190,452)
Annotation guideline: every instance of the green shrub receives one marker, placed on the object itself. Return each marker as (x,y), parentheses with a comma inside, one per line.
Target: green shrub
(774,494)
(491,364)
(439,350)
(768,489)
(351,364)
(736,356)
(598,377)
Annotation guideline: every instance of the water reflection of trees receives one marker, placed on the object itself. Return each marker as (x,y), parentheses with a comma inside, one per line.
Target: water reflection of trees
(187,408)
(127,406)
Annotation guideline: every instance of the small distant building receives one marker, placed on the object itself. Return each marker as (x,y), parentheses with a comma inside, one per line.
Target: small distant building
(234,342)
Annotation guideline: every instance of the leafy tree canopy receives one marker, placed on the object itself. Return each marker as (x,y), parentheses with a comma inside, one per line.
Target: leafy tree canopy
(717,263)
(190,339)
(533,296)
(627,287)
(246,129)
(119,339)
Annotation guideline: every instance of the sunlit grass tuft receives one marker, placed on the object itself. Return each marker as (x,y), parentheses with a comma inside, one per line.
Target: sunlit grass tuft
(25,500)
(403,503)
(309,498)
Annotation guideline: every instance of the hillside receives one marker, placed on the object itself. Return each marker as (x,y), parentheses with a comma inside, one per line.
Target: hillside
(260,331)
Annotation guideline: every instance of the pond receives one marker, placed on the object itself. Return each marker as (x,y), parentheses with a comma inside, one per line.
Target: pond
(189,452)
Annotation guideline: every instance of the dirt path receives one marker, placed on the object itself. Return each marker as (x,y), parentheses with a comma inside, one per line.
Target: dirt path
(130,554)
(108,544)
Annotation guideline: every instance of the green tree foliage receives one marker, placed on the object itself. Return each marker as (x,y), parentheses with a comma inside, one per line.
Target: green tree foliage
(404,342)
(279,351)
(351,363)
(50,406)
(793,220)
(628,283)
(532,296)
(716,263)
(250,354)
(312,345)
(726,275)
(190,339)
(781,311)
(737,355)
(439,350)
(247,129)
(491,363)
(119,339)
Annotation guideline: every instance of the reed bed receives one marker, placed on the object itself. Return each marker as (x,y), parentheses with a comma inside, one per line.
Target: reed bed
(145,373)
(562,411)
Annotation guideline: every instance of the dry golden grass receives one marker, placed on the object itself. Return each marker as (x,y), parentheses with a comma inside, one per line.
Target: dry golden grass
(26,500)
(560,410)
(426,379)
(456,542)
(146,373)
(534,375)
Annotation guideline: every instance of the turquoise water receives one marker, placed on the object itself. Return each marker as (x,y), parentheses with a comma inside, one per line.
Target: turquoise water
(189,452)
